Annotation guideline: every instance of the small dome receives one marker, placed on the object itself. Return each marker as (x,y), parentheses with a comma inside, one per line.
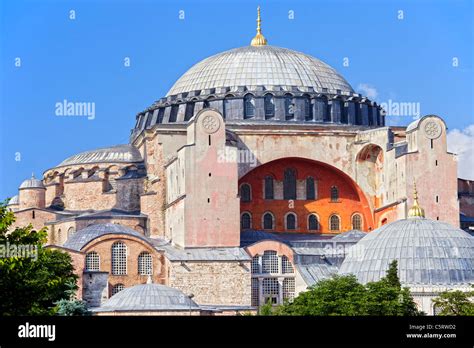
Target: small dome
(148,297)
(115,154)
(82,237)
(14,200)
(267,66)
(32,183)
(428,252)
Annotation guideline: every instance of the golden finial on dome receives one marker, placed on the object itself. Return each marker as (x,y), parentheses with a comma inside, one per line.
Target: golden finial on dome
(416,210)
(259,39)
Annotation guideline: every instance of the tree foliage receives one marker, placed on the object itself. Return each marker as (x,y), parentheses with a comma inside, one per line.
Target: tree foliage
(455,303)
(344,295)
(71,305)
(30,285)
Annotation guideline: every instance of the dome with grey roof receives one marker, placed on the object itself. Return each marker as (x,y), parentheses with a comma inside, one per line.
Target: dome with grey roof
(114,154)
(349,236)
(148,297)
(14,200)
(266,66)
(82,237)
(32,183)
(428,253)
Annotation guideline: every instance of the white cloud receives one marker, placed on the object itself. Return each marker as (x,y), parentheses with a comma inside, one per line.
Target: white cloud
(461,142)
(367,90)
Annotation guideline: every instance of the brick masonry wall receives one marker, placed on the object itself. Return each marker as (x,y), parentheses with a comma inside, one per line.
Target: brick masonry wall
(213,283)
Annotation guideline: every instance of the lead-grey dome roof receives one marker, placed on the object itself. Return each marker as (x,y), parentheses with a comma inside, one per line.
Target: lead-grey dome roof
(428,253)
(14,200)
(148,297)
(263,66)
(82,237)
(114,154)
(32,183)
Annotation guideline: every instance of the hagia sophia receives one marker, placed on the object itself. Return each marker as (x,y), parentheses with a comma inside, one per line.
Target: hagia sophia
(260,173)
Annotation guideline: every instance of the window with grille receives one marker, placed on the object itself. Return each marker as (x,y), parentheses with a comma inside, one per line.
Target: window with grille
(92,261)
(310,189)
(119,258)
(245,193)
(269,187)
(270,286)
(245,221)
(291,221)
(356,222)
(255,292)
(145,264)
(249,106)
(286,266)
(289,184)
(189,112)
(255,265)
(313,223)
(117,288)
(270,262)
(269,106)
(334,194)
(289,108)
(288,288)
(334,223)
(268,221)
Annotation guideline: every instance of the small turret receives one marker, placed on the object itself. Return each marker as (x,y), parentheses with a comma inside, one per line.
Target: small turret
(32,193)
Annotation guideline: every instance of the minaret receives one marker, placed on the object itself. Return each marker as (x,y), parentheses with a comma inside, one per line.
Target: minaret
(259,39)
(416,211)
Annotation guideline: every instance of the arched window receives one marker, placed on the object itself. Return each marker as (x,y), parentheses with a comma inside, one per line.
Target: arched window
(356,222)
(334,194)
(245,193)
(119,258)
(188,114)
(245,221)
(308,109)
(205,104)
(255,266)
(310,189)
(269,187)
(268,221)
(60,237)
(145,264)
(313,223)
(269,106)
(249,106)
(92,261)
(286,266)
(270,261)
(291,221)
(334,223)
(70,231)
(289,184)
(289,107)
(117,288)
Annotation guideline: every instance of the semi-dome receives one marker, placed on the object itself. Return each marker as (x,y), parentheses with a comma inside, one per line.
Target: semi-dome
(32,183)
(428,253)
(14,200)
(266,66)
(115,154)
(148,297)
(82,237)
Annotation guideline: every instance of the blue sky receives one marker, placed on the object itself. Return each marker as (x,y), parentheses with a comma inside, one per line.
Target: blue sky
(82,60)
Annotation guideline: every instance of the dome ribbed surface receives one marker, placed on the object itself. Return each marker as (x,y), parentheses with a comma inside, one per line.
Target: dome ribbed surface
(115,154)
(428,252)
(32,183)
(260,66)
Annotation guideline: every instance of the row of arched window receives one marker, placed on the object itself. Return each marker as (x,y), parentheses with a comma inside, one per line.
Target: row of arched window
(291,221)
(119,261)
(289,188)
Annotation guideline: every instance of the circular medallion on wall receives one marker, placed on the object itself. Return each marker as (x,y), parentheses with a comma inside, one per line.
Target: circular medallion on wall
(432,129)
(210,123)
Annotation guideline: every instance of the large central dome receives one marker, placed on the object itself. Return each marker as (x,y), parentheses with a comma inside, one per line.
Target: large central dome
(264,66)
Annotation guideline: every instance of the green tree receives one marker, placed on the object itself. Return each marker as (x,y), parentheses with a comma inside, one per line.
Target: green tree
(392,275)
(30,285)
(455,303)
(71,305)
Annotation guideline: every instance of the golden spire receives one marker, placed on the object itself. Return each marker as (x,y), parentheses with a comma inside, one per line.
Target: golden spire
(259,39)
(416,210)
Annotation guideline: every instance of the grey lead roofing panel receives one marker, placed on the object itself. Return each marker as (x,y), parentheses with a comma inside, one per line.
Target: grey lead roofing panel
(114,154)
(315,272)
